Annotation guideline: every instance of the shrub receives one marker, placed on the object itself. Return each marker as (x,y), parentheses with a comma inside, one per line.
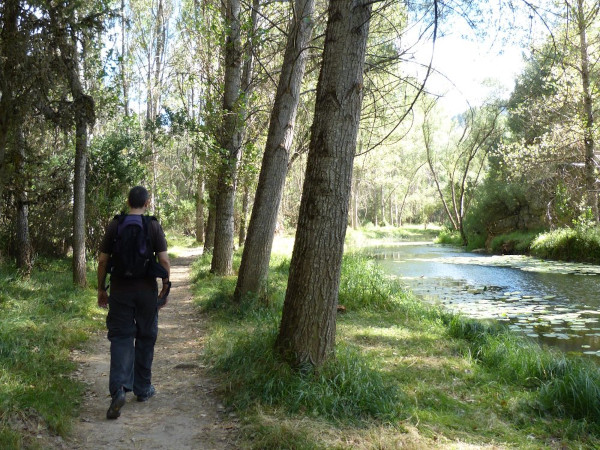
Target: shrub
(569,244)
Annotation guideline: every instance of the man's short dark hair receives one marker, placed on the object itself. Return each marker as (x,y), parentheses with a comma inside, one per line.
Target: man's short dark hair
(138,196)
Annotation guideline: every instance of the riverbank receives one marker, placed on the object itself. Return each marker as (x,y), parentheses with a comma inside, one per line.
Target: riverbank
(406,374)
(580,243)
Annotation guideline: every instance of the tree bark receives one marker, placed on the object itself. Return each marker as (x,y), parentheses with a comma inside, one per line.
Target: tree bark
(243,216)
(79,261)
(307,332)
(230,141)
(200,206)
(588,131)
(263,220)
(123,65)
(24,254)
(209,233)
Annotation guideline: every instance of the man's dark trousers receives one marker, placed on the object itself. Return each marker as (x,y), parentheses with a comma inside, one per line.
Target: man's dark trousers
(132,324)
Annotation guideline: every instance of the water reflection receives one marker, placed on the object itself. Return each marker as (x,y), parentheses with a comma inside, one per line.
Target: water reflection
(557,303)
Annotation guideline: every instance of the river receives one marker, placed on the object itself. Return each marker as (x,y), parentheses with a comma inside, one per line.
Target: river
(554,302)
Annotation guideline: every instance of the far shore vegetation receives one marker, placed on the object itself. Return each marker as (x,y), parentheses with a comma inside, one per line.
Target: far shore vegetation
(405,372)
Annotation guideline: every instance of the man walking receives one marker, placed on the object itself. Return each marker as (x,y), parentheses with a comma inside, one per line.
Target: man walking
(132,320)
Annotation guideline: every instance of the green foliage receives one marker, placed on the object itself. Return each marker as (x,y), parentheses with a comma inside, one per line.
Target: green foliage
(448,236)
(518,242)
(581,243)
(180,216)
(41,320)
(116,165)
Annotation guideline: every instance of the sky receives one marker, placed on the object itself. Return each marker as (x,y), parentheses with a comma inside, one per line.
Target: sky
(465,65)
(464,62)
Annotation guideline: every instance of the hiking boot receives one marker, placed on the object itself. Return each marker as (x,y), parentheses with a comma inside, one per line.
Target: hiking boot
(149,393)
(118,400)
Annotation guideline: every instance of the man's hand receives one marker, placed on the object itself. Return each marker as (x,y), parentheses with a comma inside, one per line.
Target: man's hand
(102,298)
(163,296)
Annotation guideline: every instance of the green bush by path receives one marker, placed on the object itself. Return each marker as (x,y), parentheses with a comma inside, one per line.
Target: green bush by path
(41,320)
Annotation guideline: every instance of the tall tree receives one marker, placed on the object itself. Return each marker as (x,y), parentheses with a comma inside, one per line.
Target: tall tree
(261,229)
(463,160)
(584,17)
(230,142)
(67,39)
(307,332)
(13,108)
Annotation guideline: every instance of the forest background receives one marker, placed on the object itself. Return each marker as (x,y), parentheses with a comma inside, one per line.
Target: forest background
(98,96)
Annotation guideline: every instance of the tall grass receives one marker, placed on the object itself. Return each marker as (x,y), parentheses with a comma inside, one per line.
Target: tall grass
(348,387)
(41,320)
(364,285)
(569,244)
(241,349)
(516,242)
(566,386)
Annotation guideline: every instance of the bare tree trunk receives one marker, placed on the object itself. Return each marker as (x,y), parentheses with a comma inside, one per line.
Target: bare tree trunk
(79,261)
(244,215)
(24,256)
(200,206)
(263,221)
(124,59)
(307,332)
(222,260)
(209,234)
(588,133)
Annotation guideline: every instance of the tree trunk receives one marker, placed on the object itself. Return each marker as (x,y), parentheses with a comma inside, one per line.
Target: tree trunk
(263,221)
(84,117)
(24,261)
(588,131)
(79,263)
(9,70)
(124,59)
(307,333)
(200,206)
(222,260)
(209,233)
(243,216)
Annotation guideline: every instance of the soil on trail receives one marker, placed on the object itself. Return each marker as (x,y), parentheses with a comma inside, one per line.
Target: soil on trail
(185,413)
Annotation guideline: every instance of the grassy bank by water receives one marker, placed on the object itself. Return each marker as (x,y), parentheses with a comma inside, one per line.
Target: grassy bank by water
(577,244)
(405,374)
(41,319)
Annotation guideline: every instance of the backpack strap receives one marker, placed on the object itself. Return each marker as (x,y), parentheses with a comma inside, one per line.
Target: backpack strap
(145,223)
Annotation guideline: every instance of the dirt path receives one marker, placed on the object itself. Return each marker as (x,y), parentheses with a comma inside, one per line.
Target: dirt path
(185,413)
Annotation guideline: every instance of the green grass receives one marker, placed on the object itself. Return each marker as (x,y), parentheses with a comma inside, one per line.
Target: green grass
(517,242)
(449,237)
(41,319)
(371,235)
(405,374)
(580,244)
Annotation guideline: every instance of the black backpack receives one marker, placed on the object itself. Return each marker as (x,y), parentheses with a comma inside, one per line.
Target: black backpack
(132,252)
